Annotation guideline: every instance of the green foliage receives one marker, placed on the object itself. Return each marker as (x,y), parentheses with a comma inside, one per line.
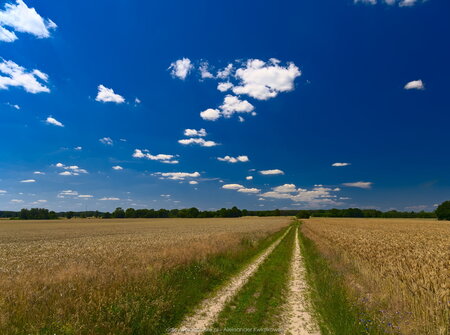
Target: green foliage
(443,211)
(37,214)
(118,213)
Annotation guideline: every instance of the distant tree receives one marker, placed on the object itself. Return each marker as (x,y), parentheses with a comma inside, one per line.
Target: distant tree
(107,215)
(70,214)
(443,211)
(118,213)
(97,214)
(303,214)
(130,213)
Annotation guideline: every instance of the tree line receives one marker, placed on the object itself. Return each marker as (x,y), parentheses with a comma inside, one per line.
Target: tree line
(442,213)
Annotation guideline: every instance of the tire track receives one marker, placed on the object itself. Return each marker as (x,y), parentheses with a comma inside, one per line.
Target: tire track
(210,308)
(298,320)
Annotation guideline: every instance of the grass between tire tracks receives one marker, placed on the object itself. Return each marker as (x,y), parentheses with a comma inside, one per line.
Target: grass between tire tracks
(336,312)
(258,305)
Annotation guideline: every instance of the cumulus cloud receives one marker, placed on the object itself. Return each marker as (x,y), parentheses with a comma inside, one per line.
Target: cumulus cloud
(23,19)
(177,175)
(317,196)
(223,87)
(70,170)
(225,72)
(210,114)
(17,76)
(286,188)
(204,71)
(54,122)
(340,164)
(109,199)
(117,168)
(193,182)
(16,201)
(106,141)
(232,186)
(194,132)
(264,80)
(249,177)
(78,148)
(415,85)
(230,159)
(105,94)
(200,141)
(181,68)
(232,104)
(38,172)
(249,190)
(271,172)
(67,193)
(28,181)
(359,184)
(163,158)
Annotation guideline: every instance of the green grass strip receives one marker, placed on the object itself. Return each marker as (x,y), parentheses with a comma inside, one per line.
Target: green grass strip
(258,304)
(337,313)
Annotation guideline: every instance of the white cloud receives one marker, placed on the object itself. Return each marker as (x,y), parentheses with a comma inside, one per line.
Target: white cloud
(249,190)
(340,164)
(85,196)
(177,175)
(3,192)
(38,172)
(67,193)
(204,71)
(181,68)
(401,3)
(78,148)
(210,114)
(109,199)
(359,184)
(193,182)
(23,19)
(232,104)
(13,106)
(6,35)
(249,177)
(28,181)
(271,172)
(225,72)
(241,119)
(371,2)
(415,85)
(18,76)
(317,196)
(137,101)
(230,159)
(232,186)
(163,158)
(107,95)
(17,201)
(194,132)
(286,188)
(117,168)
(106,141)
(200,141)
(70,170)
(264,80)
(223,87)
(53,121)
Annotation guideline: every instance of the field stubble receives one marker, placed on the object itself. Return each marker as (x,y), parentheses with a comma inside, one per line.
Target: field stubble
(69,272)
(399,268)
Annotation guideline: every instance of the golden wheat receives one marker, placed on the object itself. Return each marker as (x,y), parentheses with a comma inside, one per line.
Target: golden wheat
(67,270)
(399,267)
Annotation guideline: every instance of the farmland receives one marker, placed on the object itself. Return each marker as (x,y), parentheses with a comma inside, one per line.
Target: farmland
(117,276)
(398,269)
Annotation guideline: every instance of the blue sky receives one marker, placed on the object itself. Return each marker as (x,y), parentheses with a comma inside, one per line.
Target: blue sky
(212,104)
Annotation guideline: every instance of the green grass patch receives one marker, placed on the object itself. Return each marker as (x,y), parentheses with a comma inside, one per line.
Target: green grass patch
(258,304)
(336,312)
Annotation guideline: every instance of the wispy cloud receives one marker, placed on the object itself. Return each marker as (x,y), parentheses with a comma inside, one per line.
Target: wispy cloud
(177,175)
(106,141)
(28,181)
(163,158)
(271,172)
(18,76)
(340,164)
(359,184)
(54,122)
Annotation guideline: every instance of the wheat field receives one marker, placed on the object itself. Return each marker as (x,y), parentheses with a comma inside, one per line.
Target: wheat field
(399,268)
(71,270)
